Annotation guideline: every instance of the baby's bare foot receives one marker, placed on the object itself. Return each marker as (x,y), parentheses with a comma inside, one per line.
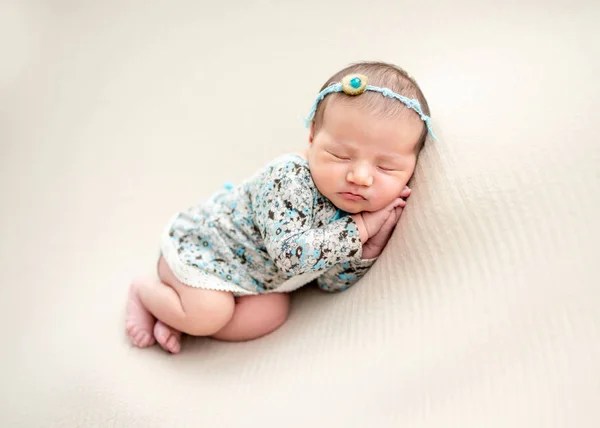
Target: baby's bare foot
(139,321)
(167,337)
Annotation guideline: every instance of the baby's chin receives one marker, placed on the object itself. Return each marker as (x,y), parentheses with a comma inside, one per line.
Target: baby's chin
(351,207)
(350,210)
(355,208)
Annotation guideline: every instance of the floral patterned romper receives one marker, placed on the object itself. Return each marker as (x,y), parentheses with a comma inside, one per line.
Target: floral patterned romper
(275,232)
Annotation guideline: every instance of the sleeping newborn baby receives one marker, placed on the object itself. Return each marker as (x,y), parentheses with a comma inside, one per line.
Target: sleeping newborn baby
(324,215)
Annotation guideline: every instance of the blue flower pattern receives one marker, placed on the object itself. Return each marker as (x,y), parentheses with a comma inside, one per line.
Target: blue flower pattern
(273,226)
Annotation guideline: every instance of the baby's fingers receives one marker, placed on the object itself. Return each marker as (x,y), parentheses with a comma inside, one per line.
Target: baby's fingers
(399,203)
(398,212)
(405,192)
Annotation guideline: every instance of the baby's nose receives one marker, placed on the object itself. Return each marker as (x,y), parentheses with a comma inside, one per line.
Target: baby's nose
(360,175)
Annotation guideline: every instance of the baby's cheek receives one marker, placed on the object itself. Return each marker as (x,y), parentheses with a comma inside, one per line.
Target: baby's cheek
(380,200)
(400,183)
(391,186)
(387,192)
(333,172)
(325,173)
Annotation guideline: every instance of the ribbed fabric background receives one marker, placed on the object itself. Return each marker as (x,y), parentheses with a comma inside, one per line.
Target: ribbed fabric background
(482,312)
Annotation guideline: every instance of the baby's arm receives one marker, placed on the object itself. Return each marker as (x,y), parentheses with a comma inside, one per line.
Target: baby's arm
(344,275)
(283,211)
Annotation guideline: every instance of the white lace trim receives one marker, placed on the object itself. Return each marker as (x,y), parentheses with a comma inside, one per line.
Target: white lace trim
(190,275)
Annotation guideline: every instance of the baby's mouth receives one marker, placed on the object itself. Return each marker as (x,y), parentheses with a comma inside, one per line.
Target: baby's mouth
(352,196)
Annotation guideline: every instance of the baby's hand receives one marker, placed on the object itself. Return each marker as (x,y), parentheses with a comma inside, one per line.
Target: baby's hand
(373,221)
(375,245)
(375,228)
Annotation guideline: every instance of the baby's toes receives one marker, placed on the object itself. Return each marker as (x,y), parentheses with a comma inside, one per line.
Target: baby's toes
(146,340)
(168,338)
(130,328)
(173,344)
(143,339)
(132,331)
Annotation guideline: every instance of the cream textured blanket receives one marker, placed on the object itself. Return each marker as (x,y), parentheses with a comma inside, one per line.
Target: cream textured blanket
(482,312)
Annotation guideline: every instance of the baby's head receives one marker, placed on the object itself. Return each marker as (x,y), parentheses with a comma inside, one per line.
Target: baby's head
(363,148)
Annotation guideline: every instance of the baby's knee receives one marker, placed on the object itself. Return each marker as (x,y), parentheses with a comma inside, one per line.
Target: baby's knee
(206,311)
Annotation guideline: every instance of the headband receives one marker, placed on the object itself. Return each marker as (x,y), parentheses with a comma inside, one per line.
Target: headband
(356,84)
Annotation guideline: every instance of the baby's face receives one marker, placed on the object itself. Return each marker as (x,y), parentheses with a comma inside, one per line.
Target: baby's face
(362,162)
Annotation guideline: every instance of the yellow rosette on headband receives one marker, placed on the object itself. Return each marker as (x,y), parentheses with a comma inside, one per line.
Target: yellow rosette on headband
(354,84)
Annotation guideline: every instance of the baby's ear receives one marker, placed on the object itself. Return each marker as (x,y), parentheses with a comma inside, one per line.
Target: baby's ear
(311,134)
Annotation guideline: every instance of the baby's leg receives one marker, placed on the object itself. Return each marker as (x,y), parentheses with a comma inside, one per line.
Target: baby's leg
(194,311)
(139,322)
(256,316)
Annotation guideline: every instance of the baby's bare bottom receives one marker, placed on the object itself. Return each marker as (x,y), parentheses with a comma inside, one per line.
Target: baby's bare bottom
(180,308)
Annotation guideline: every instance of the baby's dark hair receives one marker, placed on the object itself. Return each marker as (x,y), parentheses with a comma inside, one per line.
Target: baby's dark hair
(379,74)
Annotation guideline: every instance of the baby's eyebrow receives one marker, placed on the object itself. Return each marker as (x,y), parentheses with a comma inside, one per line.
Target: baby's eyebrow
(338,142)
(341,144)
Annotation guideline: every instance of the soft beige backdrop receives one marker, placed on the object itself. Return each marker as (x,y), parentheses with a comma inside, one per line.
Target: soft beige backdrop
(483,312)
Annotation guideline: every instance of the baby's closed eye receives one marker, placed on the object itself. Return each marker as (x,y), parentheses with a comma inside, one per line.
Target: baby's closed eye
(339,155)
(388,168)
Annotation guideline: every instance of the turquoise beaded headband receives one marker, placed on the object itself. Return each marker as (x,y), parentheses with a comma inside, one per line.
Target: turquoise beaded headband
(356,84)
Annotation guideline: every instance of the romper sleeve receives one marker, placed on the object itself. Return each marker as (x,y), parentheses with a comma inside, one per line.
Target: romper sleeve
(344,275)
(283,207)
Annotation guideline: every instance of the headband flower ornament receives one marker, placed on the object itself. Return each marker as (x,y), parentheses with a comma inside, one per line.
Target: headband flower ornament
(356,84)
